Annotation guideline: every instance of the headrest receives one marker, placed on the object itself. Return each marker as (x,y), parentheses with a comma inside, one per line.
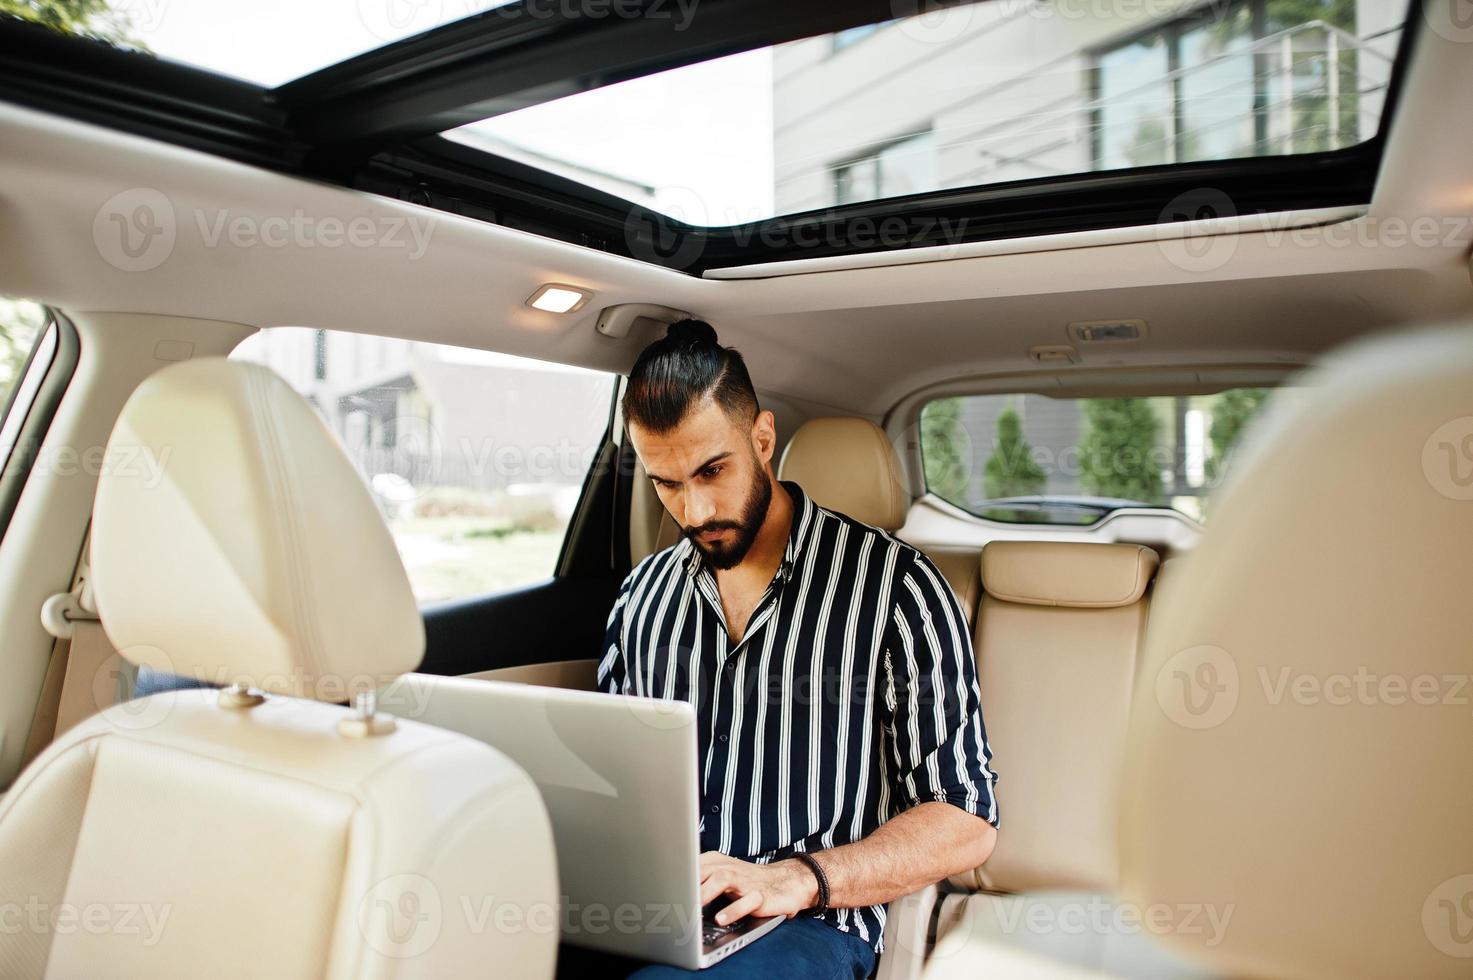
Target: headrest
(1067,573)
(1298,753)
(847,464)
(242,545)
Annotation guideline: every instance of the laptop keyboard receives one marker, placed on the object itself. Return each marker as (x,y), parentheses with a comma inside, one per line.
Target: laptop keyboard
(712,931)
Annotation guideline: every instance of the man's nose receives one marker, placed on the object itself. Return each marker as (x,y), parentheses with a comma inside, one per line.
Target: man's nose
(699,508)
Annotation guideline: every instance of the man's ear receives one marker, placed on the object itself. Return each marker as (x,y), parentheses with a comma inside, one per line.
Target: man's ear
(764,435)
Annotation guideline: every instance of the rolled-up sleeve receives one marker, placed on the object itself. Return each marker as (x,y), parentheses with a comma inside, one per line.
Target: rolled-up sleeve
(934,711)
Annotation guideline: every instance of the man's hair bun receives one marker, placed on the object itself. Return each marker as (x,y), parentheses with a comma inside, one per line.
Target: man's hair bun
(692,333)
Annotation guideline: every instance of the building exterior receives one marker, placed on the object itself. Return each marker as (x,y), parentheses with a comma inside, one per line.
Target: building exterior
(1015,89)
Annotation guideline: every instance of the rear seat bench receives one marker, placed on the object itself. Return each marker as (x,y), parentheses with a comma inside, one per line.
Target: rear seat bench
(1057,633)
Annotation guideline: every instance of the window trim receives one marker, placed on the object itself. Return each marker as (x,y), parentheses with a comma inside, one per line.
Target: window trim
(40,411)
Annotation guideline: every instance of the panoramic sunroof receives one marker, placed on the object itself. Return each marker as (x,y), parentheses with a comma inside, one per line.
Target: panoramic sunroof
(968,96)
(708,136)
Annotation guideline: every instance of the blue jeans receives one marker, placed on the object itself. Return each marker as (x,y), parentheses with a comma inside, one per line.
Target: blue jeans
(799,948)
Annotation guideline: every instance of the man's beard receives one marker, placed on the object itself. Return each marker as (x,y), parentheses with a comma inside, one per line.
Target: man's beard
(722,555)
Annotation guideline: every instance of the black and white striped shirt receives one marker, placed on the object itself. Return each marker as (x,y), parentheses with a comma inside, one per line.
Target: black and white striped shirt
(851,697)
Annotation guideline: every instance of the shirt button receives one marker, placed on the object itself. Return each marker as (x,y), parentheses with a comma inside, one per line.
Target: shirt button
(721,738)
(731,665)
(715,807)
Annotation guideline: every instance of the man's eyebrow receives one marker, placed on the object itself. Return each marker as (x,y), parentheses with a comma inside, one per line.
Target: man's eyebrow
(713,460)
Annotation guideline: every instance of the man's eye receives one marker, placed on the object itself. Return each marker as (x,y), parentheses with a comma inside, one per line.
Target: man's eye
(712,471)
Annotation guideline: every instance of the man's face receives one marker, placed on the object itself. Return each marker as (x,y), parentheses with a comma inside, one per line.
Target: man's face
(711,473)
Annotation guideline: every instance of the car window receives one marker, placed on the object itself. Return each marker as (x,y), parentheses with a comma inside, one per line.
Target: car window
(1033,459)
(476,459)
(20,324)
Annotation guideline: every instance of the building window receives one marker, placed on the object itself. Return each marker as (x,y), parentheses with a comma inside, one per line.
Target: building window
(906,166)
(1264,77)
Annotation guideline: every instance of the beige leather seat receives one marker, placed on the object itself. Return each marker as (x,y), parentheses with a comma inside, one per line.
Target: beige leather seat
(848,464)
(1300,740)
(1057,638)
(220,834)
(1057,634)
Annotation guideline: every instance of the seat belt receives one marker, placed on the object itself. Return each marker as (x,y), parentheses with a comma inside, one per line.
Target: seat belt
(85,673)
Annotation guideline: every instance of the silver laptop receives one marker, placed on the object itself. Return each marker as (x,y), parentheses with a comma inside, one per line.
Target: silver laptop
(619,777)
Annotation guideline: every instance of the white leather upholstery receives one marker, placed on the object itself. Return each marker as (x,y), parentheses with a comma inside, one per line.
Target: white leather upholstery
(847,464)
(1301,729)
(217,843)
(177,836)
(1055,935)
(258,555)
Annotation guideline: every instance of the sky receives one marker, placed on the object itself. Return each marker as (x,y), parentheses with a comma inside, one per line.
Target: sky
(701,135)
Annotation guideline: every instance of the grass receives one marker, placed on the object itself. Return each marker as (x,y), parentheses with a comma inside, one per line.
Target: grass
(456,556)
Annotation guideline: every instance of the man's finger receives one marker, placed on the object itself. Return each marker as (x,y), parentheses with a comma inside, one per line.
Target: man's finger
(717,884)
(741,908)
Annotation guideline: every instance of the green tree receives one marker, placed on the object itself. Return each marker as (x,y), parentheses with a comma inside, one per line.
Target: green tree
(86,18)
(1231,412)
(942,450)
(1011,470)
(1119,449)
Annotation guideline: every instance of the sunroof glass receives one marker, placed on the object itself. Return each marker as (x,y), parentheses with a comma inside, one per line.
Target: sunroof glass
(263,41)
(970,95)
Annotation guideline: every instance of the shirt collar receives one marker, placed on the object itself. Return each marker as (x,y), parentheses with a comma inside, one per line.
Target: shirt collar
(804,511)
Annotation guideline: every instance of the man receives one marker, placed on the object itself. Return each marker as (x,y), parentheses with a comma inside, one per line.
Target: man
(831,670)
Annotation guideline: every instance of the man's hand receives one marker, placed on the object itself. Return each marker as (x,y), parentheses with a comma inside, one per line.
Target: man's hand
(780,888)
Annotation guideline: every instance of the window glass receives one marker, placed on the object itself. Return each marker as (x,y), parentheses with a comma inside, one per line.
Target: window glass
(476,459)
(1009,92)
(20,322)
(1040,460)
(1256,78)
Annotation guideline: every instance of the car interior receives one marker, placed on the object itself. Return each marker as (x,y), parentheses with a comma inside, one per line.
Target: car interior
(1148,324)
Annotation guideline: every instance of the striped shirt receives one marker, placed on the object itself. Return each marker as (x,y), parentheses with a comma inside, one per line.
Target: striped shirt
(852,695)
